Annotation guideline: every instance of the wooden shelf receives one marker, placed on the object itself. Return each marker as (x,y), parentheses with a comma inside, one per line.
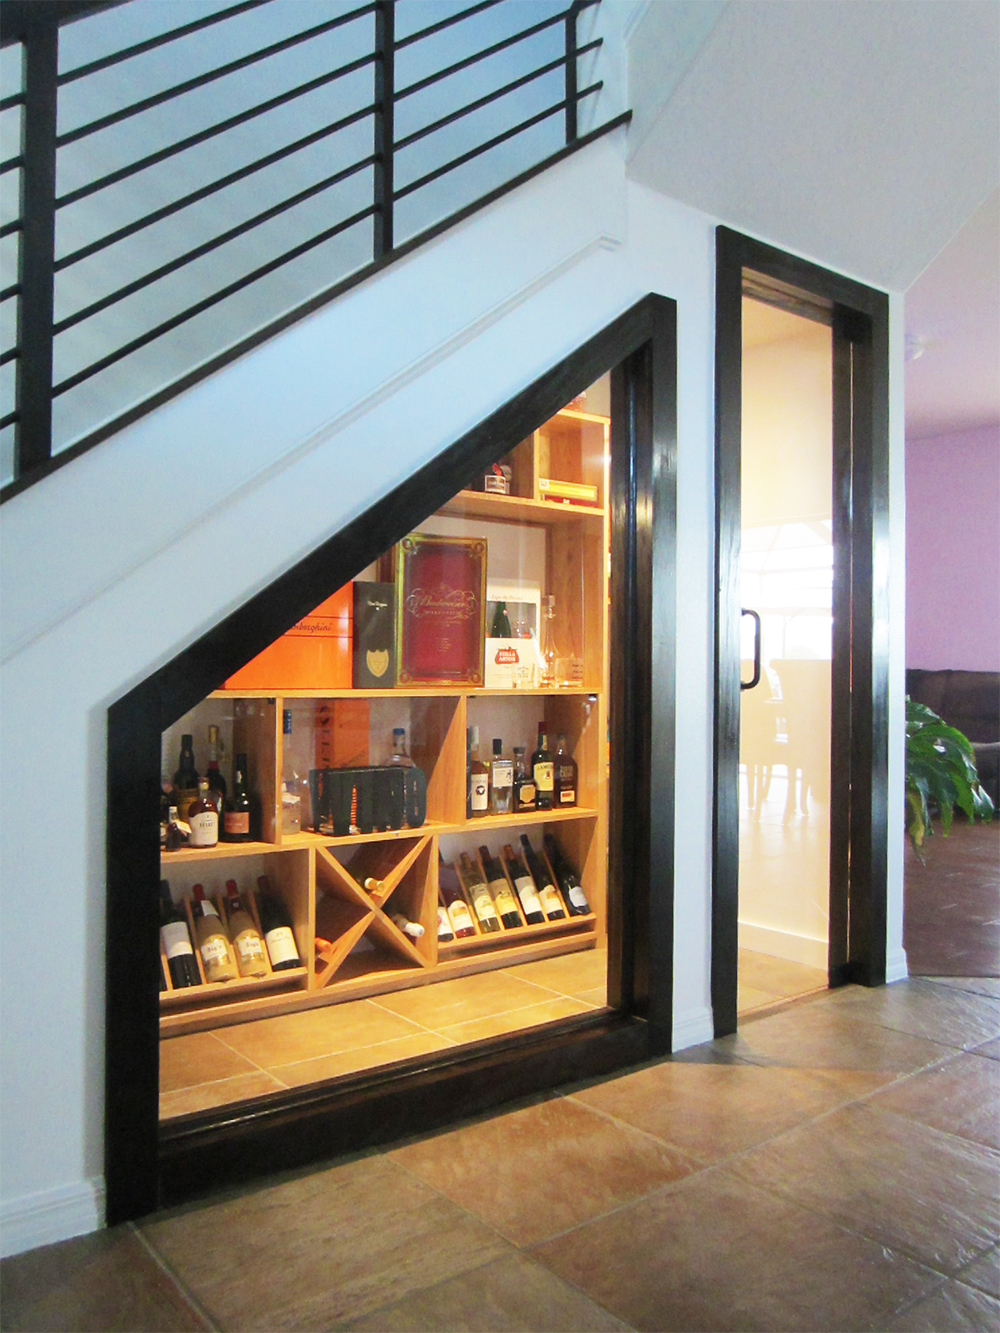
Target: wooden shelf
(519,509)
(572,925)
(414,692)
(243,988)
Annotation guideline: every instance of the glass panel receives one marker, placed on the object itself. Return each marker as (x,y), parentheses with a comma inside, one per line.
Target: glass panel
(787,578)
(410,788)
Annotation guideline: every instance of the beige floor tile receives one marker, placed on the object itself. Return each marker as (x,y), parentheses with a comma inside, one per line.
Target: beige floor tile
(991,1049)
(569,974)
(539,1170)
(929,1195)
(960,1097)
(924,1008)
(984,1273)
(713,1253)
(350,1062)
(514,1020)
(596,996)
(102,1282)
(952,1307)
(205,1095)
(778,976)
(979,985)
(198,1057)
(713,1110)
(748,999)
(320,1248)
(270,1042)
(462,999)
(509,1294)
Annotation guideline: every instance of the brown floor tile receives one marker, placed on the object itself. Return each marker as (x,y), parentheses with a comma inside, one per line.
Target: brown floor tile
(713,1253)
(539,1170)
(102,1282)
(778,976)
(952,1307)
(568,974)
(199,1057)
(712,1111)
(510,1294)
(926,1009)
(226,1090)
(321,1248)
(462,999)
(349,1062)
(991,1049)
(960,1097)
(926,1194)
(513,1020)
(984,1273)
(270,1042)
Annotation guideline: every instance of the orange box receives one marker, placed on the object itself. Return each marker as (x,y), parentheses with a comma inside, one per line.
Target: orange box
(315,654)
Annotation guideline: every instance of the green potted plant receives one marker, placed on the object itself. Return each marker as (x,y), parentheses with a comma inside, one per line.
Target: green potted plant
(941,772)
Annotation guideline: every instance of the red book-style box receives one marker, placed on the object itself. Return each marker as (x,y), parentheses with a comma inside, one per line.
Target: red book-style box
(441,609)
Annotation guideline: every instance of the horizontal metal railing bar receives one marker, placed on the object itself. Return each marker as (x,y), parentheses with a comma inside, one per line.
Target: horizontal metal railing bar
(206,247)
(490,97)
(12,100)
(162,154)
(9,228)
(11,354)
(441,24)
(195,196)
(203,80)
(9,420)
(10,163)
(207,302)
(7,292)
(487,51)
(151,43)
(459,161)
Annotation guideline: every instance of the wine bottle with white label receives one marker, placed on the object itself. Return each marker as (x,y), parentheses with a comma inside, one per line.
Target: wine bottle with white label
(244,935)
(567,879)
(547,895)
(177,941)
(457,908)
(525,887)
(203,817)
(445,932)
(277,927)
(411,928)
(479,895)
(506,904)
(213,944)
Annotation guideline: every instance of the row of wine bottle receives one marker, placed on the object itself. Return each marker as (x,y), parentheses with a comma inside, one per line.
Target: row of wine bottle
(231,949)
(504,892)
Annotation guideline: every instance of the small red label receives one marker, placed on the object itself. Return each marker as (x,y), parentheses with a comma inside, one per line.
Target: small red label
(507,657)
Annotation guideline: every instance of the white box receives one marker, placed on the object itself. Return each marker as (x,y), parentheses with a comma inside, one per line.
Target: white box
(514,663)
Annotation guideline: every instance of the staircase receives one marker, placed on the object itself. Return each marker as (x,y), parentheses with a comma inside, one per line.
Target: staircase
(183,180)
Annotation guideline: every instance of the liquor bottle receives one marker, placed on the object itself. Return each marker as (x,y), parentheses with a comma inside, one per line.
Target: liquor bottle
(244,935)
(296,802)
(186,777)
(213,945)
(496,881)
(542,770)
(547,895)
(550,653)
(177,942)
(479,895)
(175,835)
(567,879)
(564,776)
(500,629)
(203,818)
(236,811)
(479,778)
(445,932)
(451,895)
(166,800)
(400,754)
(525,886)
(277,927)
(412,928)
(216,782)
(501,780)
(524,783)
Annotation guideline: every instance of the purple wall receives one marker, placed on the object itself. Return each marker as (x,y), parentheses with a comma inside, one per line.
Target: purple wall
(953,551)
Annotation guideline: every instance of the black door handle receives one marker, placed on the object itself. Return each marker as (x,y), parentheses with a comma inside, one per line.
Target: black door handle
(749,684)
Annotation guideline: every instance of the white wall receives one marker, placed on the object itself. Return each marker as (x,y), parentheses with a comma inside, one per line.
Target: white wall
(103,579)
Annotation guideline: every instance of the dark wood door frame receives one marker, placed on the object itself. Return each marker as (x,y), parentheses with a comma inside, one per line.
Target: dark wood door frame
(859,317)
(147,1165)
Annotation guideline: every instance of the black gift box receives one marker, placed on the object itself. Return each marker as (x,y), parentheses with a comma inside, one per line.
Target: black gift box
(374,636)
(383,796)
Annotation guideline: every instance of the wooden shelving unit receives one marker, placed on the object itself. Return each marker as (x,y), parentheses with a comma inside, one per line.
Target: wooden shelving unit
(321,877)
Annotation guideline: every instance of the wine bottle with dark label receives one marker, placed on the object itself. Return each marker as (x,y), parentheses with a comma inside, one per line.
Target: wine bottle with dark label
(567,879)
(547,895)
(525,887)
(277,927)
(457,908)
(244,935)
(524,783)
(565,776)
(177,941)
(213,944)
(542,771)
(503,896)
(479,895)
(236,810)
(186,778)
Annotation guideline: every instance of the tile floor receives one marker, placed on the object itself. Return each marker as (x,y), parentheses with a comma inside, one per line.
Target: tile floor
(836,1165)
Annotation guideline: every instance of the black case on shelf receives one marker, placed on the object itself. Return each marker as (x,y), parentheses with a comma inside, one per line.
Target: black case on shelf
(383,797)
(374,636)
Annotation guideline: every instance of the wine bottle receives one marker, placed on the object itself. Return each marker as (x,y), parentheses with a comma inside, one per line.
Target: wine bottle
(400,754)
(412,928)
(203,818)
(525,886)
(175,835)
(564,776)
(445,932)
(277,927)
(479,778)
(496,880)
(291,785)
(216,957)
(177,942)
(186,777)
(547,895)
(500,629)
(524,783)
(567,879)
(236,810)
(244,935)
(479,895)
(542,771)
(216,782)
(451,895)
(501,780)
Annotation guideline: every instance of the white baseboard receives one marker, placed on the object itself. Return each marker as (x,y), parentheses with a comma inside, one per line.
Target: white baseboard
(783,944)
(41,1219)
(896,968)
(692,1027)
